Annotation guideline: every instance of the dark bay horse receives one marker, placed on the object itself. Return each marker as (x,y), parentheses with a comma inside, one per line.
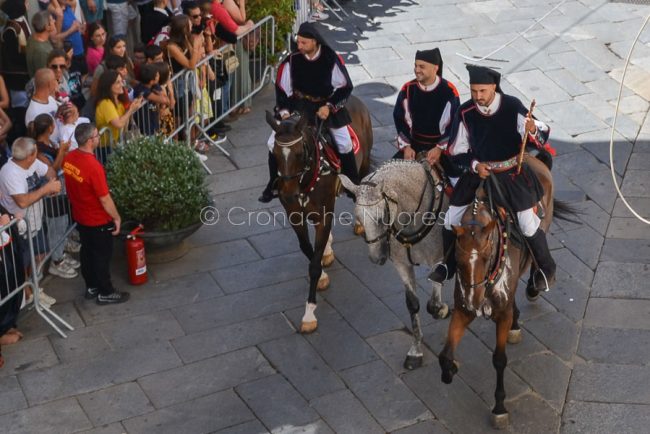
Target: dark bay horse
(489,267)
(307,188)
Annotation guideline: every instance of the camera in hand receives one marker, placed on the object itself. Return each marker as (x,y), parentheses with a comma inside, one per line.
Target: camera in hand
(198,29)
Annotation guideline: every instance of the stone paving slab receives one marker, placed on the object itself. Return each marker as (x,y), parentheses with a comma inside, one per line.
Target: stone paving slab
(203,415)
(11,395)
(204,377)
(346,414)
(334,333)
(220,340)
(276,403)
(49,418)
(618,313)
(385,395)
(623,384)
(613,345)
(115,403)
(83,376)
(602,418)
(455,405)
(302,366)
(238,307)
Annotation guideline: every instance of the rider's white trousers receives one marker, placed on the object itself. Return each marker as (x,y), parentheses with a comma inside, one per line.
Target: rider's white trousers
(528,220)
(341,137)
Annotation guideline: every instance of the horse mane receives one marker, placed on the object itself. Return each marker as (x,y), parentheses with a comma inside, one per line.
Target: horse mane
(386,171)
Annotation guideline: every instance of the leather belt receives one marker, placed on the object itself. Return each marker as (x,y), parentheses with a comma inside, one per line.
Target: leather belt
(308,97)
(502,166)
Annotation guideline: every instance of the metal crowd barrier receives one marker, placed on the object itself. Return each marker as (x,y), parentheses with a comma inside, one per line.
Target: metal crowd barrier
(214,100)
(303,11)
(23,254)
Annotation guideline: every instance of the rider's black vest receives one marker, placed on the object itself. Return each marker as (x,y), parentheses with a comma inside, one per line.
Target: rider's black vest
(425,107)
(493,137)
(313,77)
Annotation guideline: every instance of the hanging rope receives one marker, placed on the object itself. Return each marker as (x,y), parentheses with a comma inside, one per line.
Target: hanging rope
(611,139)
(519,35)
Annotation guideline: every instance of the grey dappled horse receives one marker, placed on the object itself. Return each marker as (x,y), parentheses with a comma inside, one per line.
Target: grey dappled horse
(398,206)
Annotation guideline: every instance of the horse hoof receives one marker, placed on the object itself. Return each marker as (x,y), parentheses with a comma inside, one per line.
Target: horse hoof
(438,311)
(532,294)
(358,229)
(448,375)
(442,313)
(308,327)
(327,260)
(514,336)
(412,362)
(323,282)
(500,421)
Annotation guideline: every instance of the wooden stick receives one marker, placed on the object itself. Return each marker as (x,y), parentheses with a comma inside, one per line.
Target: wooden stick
(520,159)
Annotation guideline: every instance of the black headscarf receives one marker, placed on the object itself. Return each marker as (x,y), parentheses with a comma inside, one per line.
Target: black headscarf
(309,30)
(431,56)
(483,75)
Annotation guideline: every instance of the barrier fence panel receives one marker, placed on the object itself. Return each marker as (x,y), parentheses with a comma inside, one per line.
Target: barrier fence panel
(303,11)
(23,249)
(228,79)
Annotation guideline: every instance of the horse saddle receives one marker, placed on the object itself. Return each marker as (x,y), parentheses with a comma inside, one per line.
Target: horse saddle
(331,150)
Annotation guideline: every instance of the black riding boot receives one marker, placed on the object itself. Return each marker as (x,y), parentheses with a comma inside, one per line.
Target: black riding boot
(539,246)
(446,270)
(349,167)
(271,190)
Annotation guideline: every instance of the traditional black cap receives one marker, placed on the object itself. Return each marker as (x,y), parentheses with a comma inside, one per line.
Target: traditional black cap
(430,56)
(309,30)
(483,75)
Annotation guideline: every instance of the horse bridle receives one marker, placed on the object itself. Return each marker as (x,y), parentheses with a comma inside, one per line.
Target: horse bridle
(417,236)
(496,266)
(386,234)
(306,160)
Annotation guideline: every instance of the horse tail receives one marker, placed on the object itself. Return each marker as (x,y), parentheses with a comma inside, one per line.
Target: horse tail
(545,157)
(566,212)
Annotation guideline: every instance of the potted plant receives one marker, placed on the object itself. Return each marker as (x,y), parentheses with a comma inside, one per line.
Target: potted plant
(284,14)
(160,185)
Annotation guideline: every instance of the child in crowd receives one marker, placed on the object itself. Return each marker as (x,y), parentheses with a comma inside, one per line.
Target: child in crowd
(96,42)
(166,116)
(67,119)
(147,117)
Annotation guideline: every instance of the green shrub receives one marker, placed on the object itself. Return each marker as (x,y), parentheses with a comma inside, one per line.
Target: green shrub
(161,185)
(282,11)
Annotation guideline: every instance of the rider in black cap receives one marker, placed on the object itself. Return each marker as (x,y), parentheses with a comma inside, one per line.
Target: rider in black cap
(313,80)
(424,109)
(486,138)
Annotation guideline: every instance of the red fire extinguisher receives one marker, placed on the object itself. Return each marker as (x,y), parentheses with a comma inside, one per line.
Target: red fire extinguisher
(135,257)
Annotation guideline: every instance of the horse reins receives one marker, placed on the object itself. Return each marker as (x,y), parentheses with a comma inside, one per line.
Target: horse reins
(307,161)
(409,240)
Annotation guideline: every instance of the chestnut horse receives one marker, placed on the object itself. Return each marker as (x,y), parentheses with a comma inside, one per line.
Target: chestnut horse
(307,188)
(489,268)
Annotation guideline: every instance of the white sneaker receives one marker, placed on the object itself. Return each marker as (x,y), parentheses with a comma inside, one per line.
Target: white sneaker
(219,139)
(318,16)
(72,246)
(70,261)
(62,269)
(45,299)
(201,156)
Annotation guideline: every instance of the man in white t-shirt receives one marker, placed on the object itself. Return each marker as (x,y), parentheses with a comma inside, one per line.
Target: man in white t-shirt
(21,194)
(43,101)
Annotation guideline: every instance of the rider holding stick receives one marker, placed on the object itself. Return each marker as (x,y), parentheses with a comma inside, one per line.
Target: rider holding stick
(486,137)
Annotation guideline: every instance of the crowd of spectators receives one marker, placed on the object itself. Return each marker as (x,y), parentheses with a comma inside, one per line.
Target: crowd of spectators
(109,64)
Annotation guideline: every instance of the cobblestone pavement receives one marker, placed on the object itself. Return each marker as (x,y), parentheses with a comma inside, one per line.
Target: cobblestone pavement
(210,344)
